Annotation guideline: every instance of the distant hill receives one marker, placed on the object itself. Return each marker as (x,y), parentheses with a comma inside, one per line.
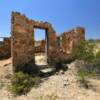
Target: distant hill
(94,40)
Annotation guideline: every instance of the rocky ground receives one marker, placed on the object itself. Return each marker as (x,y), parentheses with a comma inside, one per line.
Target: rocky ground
(61,86)
(40,59)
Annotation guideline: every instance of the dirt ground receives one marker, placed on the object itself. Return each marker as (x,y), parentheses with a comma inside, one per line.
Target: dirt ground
(56,87)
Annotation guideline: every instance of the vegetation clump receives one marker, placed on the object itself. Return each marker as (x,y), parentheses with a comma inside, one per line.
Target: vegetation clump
(21,83)
(90,61)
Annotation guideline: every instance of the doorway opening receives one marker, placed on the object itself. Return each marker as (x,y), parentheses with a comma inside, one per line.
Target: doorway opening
(1,39)
(40,46)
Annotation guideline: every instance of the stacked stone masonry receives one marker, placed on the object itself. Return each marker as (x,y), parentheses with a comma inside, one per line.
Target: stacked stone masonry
(23,42)
(23,49)
(69,40)
(5,48)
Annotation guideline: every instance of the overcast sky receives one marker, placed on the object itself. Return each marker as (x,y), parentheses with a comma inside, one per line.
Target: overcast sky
(62,14)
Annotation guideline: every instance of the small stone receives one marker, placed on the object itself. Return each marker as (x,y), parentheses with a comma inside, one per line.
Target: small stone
(65,84)
(61,72)
(56,73)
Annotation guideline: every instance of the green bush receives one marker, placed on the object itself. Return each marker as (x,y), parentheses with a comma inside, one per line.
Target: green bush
(96,63)
(84,51)
(21,83)
(49,97)
(89,62)
(1,84)
(82,78)
(98,55)
(83,81)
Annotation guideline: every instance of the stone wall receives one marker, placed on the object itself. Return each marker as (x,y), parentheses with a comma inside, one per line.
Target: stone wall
(23,43)
(22,40)
(5,48)
(22,30)
(69,40)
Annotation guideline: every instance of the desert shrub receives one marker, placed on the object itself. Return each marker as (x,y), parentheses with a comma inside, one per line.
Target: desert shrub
(83,75)
(98,55)
(21,83)
(49,97)
(96,63)
(82,80)
(92,66)
(84,51)
(1,84)
(89,62)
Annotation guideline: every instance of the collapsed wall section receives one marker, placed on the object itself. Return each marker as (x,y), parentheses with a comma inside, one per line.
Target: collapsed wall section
(69,40)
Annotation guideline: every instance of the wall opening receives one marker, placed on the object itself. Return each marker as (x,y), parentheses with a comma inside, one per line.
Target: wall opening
(1,39)
(40,46)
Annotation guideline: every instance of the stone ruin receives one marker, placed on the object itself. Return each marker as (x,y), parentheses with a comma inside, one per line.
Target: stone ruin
(69,40)
(5,48)
(23,42)
(22,30)
(40,46)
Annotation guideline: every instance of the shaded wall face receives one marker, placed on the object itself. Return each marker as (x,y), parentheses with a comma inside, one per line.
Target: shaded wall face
(5,48)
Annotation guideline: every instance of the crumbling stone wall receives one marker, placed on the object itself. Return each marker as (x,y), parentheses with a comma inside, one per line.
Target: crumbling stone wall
(23,43)
(69,40)
(5,48)
(23,38)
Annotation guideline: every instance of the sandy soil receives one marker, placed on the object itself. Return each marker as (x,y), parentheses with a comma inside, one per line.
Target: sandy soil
(57,87)
(41,59)
(4,65)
